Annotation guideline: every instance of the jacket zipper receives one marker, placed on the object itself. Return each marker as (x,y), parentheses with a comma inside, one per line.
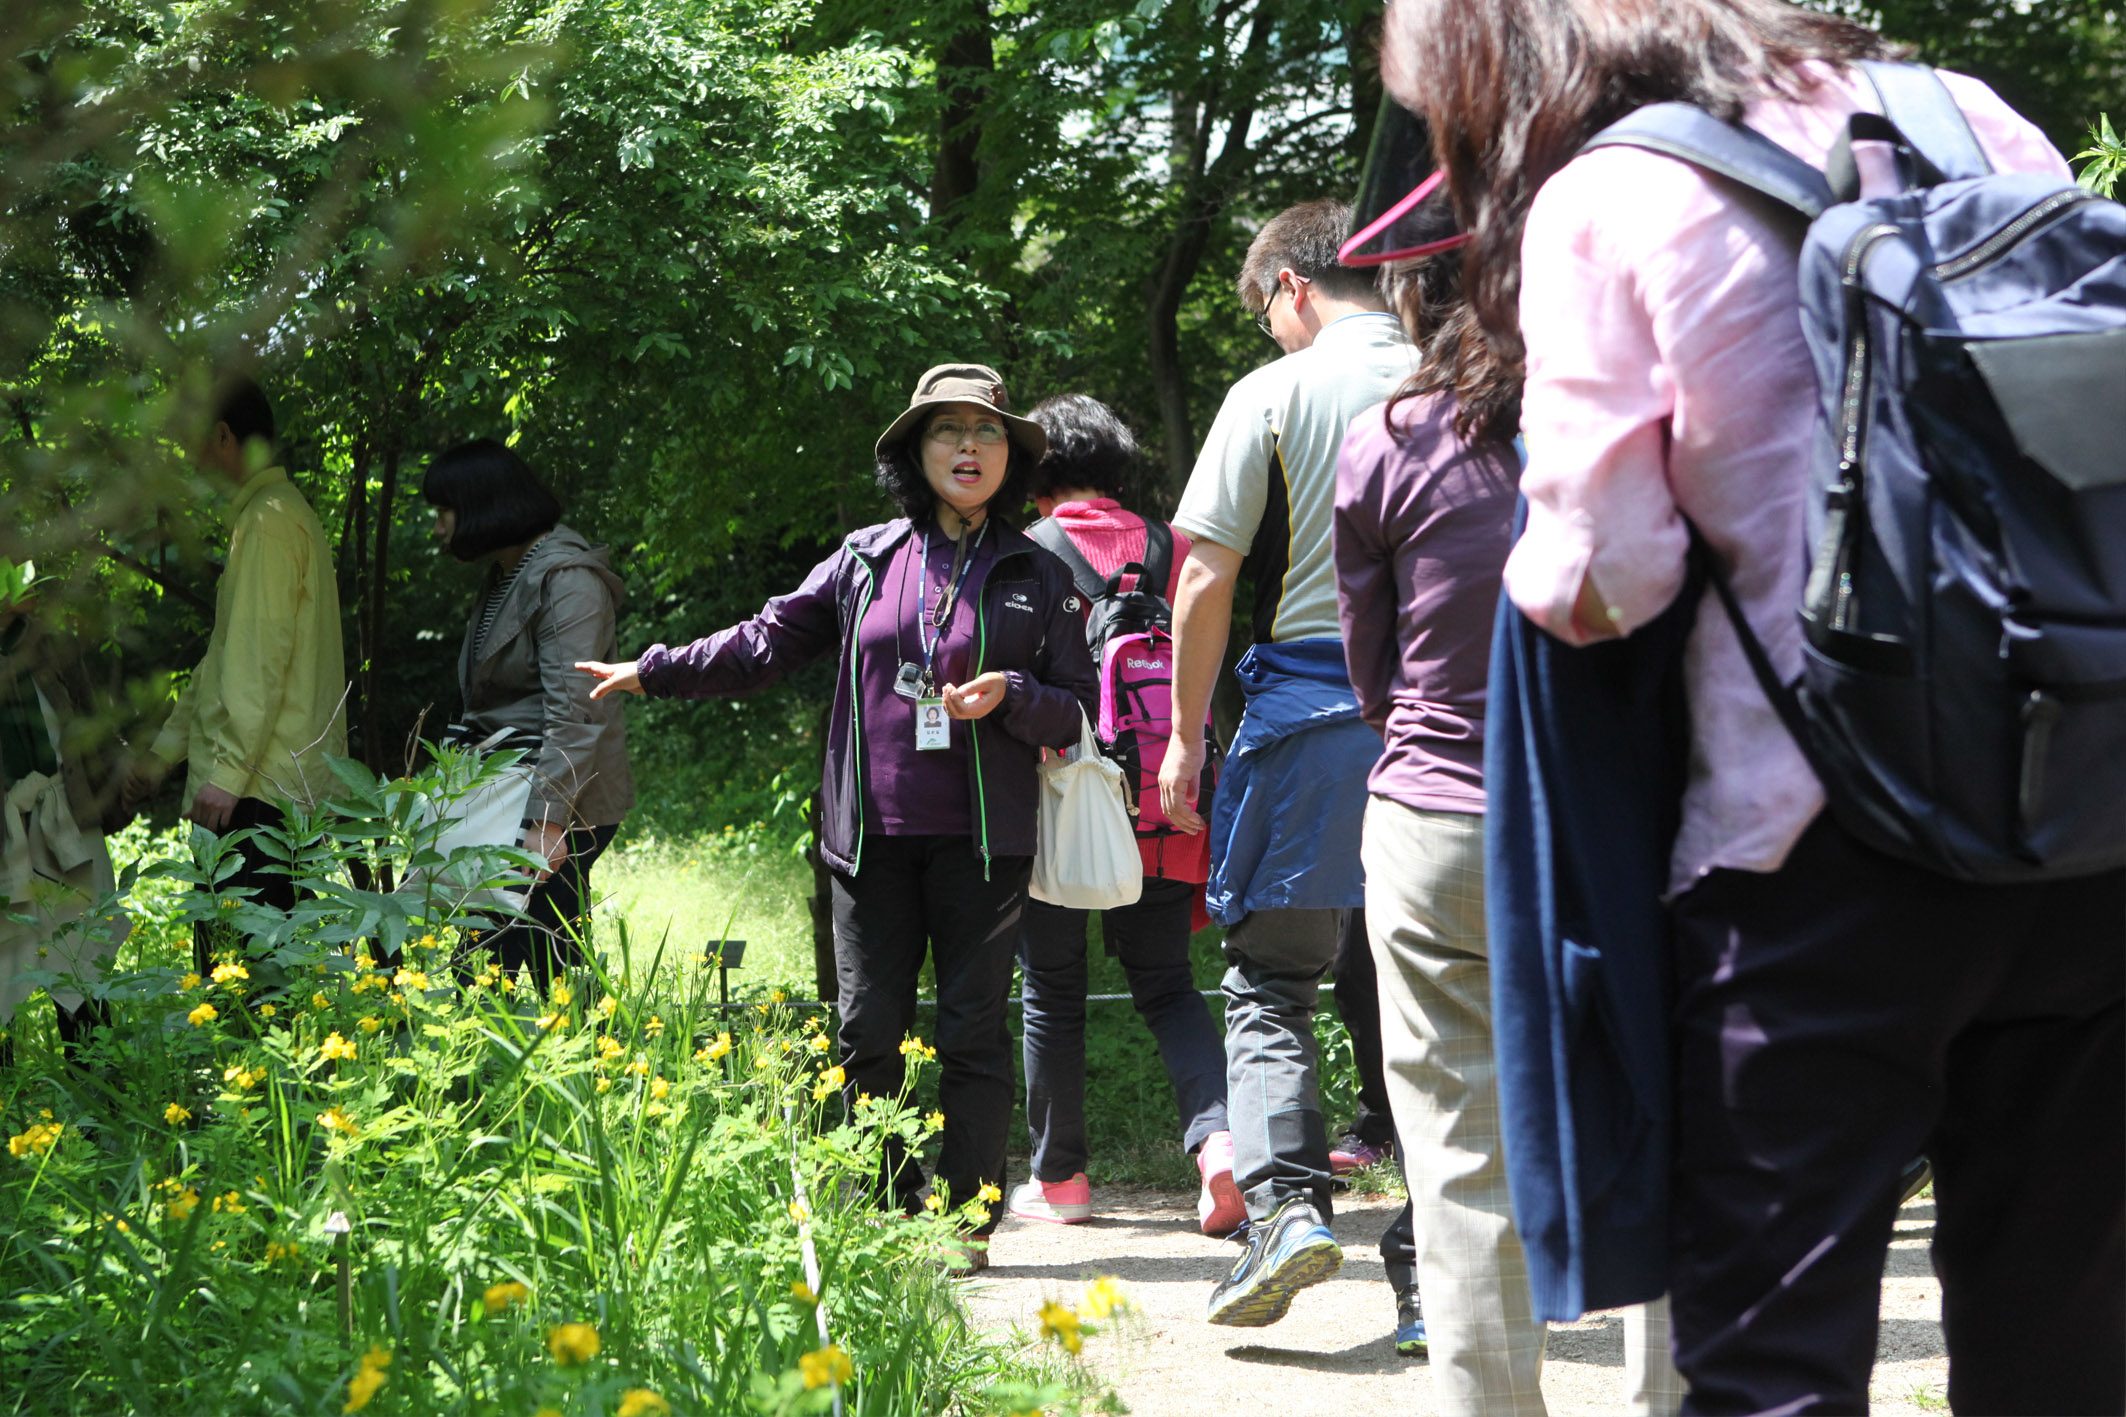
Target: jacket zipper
(1997,245)
(981,654)
(856,707)
(1831,576)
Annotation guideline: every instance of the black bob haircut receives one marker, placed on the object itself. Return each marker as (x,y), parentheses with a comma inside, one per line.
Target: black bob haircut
(1088,446)
(900,476)
(499,500)
(243,405)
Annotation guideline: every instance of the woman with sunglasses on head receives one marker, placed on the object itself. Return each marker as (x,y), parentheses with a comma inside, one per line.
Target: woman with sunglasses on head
(927,818)
(1835,1009)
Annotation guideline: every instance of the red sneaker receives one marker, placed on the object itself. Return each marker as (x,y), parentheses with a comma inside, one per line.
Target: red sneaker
(1219,1209)
(1064,1202)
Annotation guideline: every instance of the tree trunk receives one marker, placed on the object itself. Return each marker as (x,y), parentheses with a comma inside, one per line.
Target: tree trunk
(965,66)
(373,605)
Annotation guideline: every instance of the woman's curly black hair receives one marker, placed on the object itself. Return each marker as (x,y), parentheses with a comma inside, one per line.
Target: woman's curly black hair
(900,476)
(1088,446)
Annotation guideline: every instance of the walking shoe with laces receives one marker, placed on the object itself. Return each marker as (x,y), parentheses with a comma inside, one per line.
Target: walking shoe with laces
(1285,1254)
(1353,1153)
(1219,1209)
(1409,1323)
(1064,1202)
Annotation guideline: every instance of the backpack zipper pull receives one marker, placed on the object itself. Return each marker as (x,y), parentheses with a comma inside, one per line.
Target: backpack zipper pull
(2041,714)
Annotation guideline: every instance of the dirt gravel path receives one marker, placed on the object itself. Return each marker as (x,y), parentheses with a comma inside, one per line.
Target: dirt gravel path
(1332,1352)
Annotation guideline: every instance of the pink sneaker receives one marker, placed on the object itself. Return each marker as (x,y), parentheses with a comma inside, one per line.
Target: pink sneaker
(1219,1210)
(1064,1202)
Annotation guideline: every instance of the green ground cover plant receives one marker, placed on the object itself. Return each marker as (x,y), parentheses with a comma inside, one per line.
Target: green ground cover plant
(361,1169)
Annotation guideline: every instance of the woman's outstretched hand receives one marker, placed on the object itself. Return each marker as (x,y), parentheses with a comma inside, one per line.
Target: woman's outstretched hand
(976,698)
(612,678)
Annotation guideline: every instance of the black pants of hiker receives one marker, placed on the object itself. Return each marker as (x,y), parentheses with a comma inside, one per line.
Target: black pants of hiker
(261,870)
(555,936)
(1151,939)
(1357,989)
(918,895)
(1836,1018)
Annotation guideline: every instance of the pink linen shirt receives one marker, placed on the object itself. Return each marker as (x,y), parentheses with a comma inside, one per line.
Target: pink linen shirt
(1667,373)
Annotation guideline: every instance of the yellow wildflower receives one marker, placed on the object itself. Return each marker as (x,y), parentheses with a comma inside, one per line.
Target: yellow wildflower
(367,1378)
(641,1402)
(500,1296)
(763,1062)
(268,1010)
(988,1194)
(335,1046)
(817,1042)
(715,1050)
(181,1202)
(572,1343)
(189,982)
(659,1088)
(911,1044)
(428,942)
(608,1006)
(547,1412)
(610,1047)
(123,1228)
(173,1114)
(369,1024)
(410,979)
(508,983)
(933,1202)
(834,1076)
(320,1002)
(655,1027)
(332,1119)
(230,1202)
(826,1365)
(802,1293)
(605,1084)
(639,1068)
(40,1138)
(1104,1296)
(398,1000)
(561,996)
(934,1121)
(241,1078)
(1061,1324)
(364,959)
(548,1021)
(798,1212)
(276,1251)
(230,973)
(776,996)
(204,1014)
(978,1214)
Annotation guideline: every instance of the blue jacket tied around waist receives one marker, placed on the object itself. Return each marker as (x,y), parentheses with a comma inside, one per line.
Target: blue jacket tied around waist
(1585,757)
(1292,801)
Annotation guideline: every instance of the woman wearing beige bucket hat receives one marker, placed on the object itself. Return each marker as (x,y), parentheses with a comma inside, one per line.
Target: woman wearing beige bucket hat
(927,818)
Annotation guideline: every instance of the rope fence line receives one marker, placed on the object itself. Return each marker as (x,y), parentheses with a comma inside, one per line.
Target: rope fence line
(925,1003)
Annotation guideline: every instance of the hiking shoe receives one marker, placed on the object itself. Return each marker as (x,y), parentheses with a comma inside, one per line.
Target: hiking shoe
(1064,1202)
(1286,1253)
(1916,1177)
(1219,1209)
(1409,1323)
(1353,1153)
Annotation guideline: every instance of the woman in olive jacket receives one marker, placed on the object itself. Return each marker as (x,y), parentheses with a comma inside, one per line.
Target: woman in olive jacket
(549,600)
(962,655)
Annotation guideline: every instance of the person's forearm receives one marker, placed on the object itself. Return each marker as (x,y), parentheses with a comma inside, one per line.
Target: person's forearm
(1203,619)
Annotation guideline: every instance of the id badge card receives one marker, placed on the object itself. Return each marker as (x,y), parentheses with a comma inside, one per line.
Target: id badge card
(932,728)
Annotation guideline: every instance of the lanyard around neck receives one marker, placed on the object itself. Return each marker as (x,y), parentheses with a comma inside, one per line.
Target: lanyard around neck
(930,629)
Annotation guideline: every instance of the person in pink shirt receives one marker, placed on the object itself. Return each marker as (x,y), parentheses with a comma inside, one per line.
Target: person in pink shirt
(1835,1011)
(1077,482)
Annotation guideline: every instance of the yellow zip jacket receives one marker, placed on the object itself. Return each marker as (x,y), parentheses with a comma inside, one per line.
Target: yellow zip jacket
(264,707)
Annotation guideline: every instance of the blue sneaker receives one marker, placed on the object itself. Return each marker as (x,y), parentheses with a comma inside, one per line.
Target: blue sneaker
(1286,1253)
(1409,1323)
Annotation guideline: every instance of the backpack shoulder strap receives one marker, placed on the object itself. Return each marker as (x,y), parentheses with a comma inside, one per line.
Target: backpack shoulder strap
(1923,110)
(1735,152)
(1052,538)
(1158,557)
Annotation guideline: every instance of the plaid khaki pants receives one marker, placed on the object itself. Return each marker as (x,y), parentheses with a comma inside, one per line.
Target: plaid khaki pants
(1425,916)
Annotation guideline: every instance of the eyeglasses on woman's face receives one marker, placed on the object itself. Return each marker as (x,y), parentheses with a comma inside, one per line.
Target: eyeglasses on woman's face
(951,430)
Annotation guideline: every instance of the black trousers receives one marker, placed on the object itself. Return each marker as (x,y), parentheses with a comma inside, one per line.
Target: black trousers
(1357,990)
(262,871)
(1151,939)
(556,935)
(918,895)
(1834,1019)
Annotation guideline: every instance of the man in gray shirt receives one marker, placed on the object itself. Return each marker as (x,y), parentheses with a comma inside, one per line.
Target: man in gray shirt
(1284,839)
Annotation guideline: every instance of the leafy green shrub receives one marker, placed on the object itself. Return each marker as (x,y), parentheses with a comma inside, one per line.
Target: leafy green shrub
(326,1180)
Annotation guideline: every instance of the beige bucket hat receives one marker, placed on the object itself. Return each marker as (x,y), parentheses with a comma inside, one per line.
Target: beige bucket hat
(964,383)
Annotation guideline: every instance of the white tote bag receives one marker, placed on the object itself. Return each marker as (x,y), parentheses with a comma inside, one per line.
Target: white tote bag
(1088,857)
(490,814)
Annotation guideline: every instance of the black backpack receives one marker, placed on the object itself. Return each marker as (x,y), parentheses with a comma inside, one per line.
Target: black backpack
(1964,694)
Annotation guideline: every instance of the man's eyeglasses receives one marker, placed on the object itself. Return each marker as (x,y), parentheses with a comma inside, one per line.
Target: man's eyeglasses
(946,430)
(1262,316)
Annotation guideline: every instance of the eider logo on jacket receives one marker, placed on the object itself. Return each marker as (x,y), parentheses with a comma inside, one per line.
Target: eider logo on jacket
(1073,605)
(1018,601)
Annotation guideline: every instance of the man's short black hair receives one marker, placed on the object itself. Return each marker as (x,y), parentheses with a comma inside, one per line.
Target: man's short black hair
(900,476)
(1304,239)
(499,500)
(243,405)
(1088,446)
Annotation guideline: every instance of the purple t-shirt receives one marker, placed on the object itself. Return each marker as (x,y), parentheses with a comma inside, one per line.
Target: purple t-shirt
(909,792)
(1423,525)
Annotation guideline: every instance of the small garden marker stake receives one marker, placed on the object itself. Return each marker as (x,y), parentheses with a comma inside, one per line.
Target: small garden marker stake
(337,1227)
